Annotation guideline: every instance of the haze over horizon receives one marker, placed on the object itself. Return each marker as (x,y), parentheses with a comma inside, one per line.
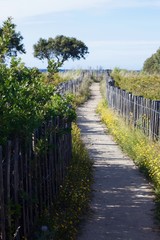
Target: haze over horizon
(118,33)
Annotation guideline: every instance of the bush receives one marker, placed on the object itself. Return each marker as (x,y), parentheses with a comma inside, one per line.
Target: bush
(26,101)
(139,83)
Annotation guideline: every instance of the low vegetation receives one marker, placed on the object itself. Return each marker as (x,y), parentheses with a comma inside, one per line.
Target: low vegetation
(74,195)
(83,94)
(62,222)
(139,83)
(151,64)
(144,152)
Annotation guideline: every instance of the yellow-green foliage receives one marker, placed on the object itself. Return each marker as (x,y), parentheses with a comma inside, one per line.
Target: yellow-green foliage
(56,79)
(70,75)
(145,153)
(60,77)
(103,88)
(139,83)
(84,92)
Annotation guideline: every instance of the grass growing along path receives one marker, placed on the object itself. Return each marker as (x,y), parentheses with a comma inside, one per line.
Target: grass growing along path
(74,194)
(63,220)
(145,153)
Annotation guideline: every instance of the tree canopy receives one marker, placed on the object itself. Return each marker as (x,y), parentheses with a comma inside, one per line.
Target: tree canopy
(60,49)
(10,40)
(152,64)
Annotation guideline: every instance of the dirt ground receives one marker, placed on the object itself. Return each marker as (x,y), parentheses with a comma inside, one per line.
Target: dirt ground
(122,206)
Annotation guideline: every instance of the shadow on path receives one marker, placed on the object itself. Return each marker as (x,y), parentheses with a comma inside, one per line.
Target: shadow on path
(122,205)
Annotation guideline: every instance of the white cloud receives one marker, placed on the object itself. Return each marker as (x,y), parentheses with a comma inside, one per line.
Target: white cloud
(25,8)
(21,8)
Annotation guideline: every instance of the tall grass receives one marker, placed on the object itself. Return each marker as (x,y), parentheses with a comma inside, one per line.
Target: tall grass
(139,83)
(84,91)
(60,77)
(70,75)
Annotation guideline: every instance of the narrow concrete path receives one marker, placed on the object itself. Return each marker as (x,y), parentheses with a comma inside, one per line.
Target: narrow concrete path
(122,206)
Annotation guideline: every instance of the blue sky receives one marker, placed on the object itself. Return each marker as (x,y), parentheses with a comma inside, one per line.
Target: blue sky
(118,33)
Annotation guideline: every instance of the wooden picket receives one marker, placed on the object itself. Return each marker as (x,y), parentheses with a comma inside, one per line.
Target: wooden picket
(136,110)
(30,178)
(32,171)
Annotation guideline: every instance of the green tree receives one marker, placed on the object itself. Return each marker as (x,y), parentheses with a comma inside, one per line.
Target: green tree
(58,50)
(10,40)
(152,64)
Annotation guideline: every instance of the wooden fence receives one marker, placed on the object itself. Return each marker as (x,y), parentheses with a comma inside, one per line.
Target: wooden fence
(32,171)
(73,86)
(140,112)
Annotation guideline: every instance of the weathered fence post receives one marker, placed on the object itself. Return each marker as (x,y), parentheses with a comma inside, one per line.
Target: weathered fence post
(142,113)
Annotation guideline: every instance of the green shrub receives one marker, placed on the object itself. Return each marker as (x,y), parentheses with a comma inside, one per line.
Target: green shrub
(139,83)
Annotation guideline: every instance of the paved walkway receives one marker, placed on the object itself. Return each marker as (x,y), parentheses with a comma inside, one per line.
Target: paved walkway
(122,206)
